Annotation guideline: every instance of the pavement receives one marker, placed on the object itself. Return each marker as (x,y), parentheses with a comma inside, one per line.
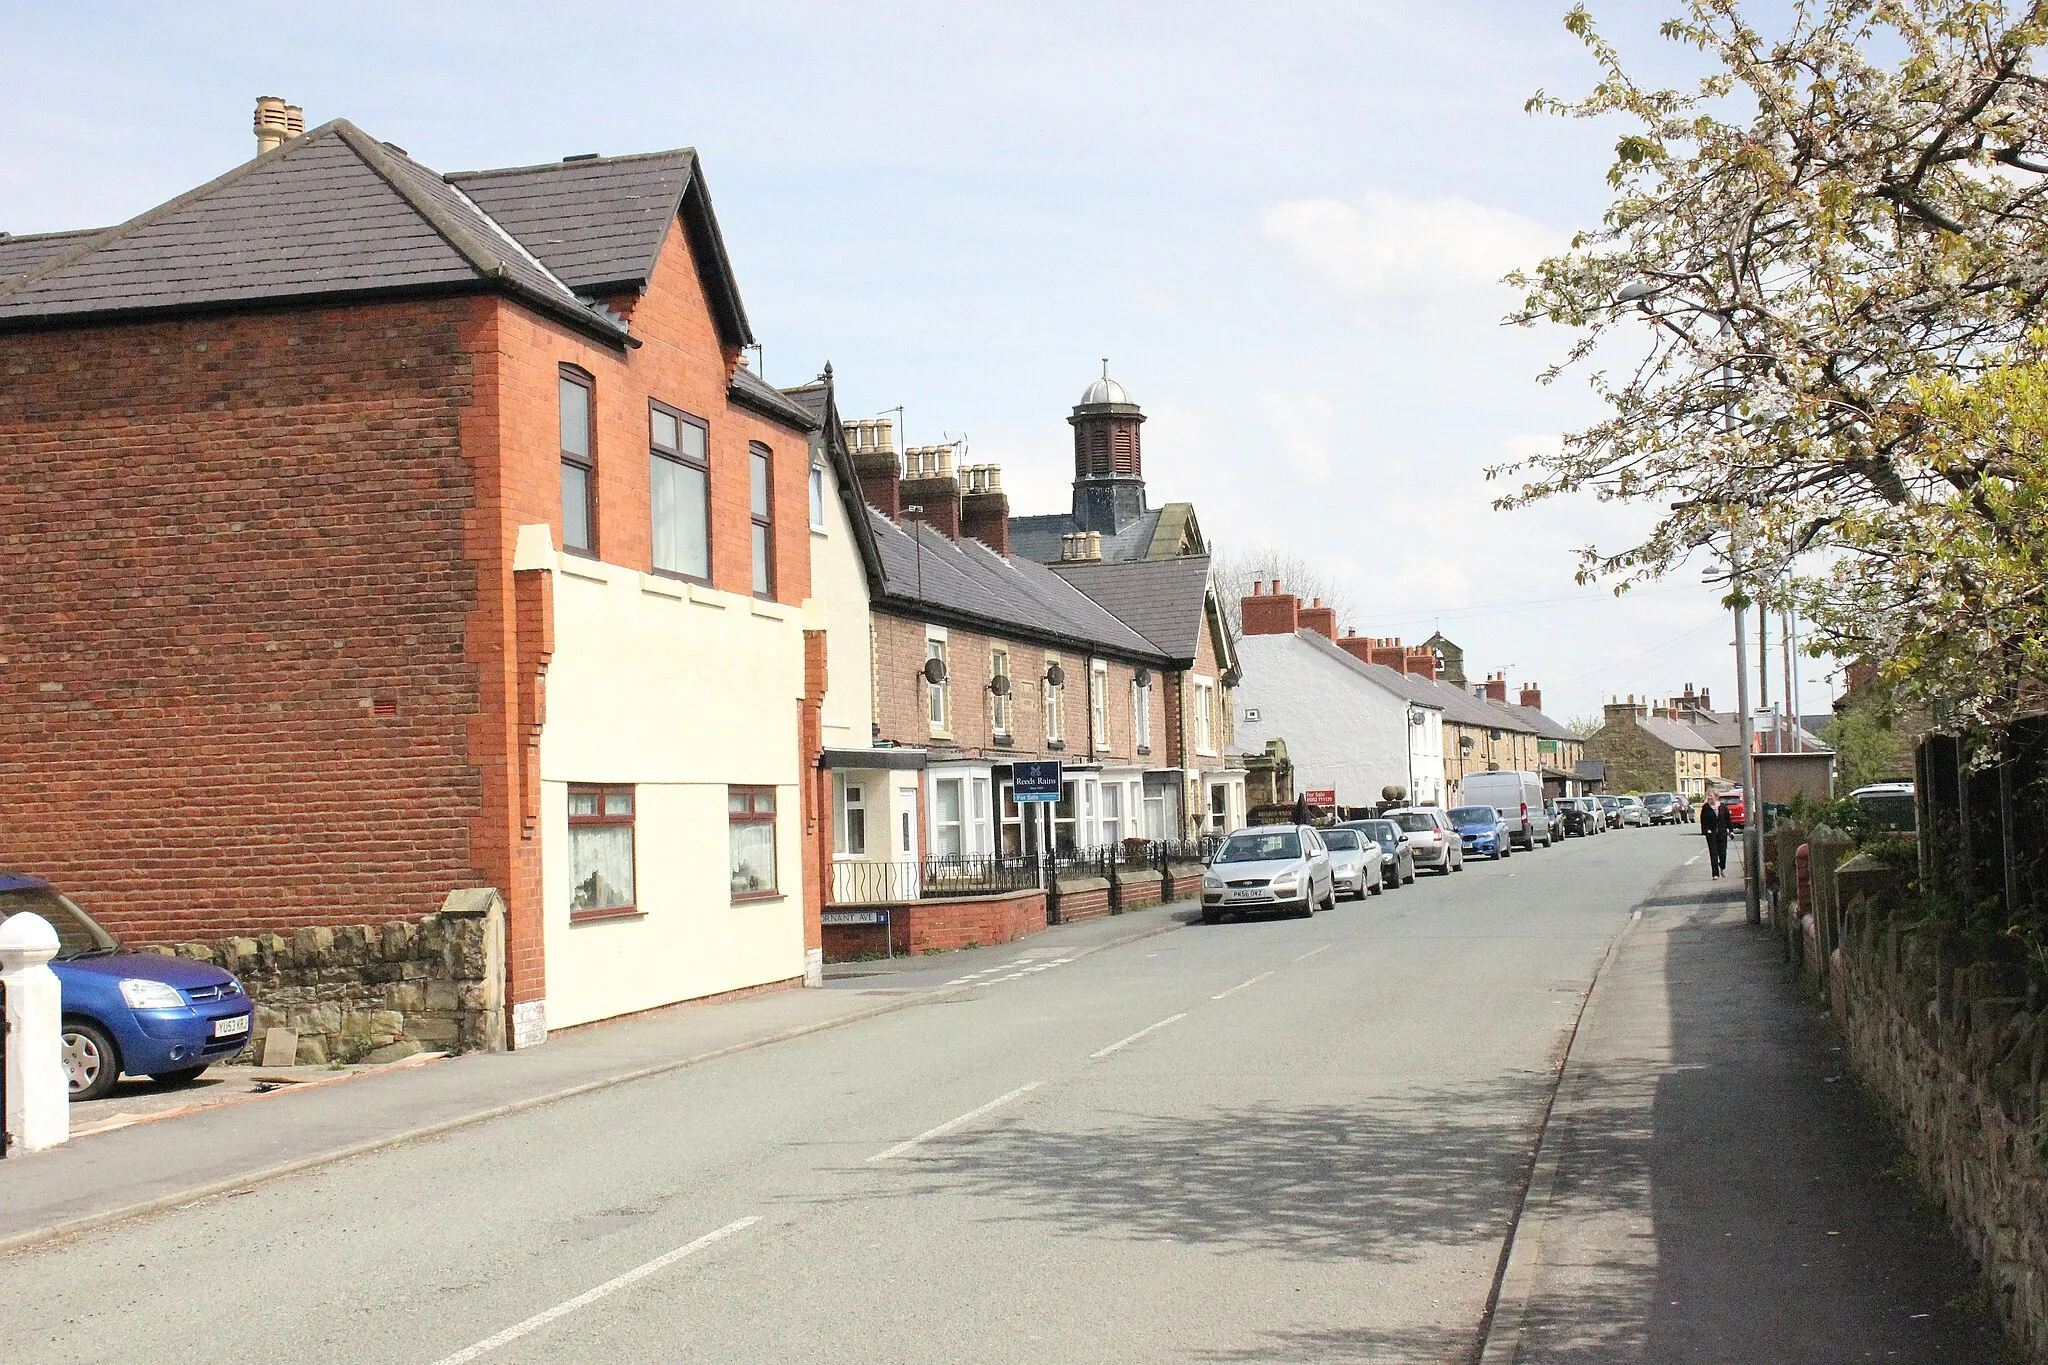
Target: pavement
(1712,1186)
(1563,1107)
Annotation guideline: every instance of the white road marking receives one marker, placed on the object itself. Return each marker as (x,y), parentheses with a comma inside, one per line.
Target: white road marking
(588,1297)
(1242,984)
(1123,1043)
(950,1124)
(1313,951)
(1693,859)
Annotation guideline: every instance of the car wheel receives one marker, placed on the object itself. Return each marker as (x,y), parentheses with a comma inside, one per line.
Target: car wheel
(1379,882)
(91,1063)
(181,1076)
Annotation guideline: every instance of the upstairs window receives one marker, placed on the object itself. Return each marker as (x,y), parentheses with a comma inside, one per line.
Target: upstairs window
(938,695)
(817,497)
(999,701)
(1055,732)
(678,496)
(1205,716)
(1141,715)
(579,463)
(762,506)
(1098,705)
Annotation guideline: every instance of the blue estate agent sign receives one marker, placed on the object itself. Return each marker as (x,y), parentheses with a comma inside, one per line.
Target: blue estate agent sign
(1036,781)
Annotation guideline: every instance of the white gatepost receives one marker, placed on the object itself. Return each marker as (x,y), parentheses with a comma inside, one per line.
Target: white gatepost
(38,1092)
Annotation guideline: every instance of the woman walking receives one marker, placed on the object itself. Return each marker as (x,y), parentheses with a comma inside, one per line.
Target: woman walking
(1715,825)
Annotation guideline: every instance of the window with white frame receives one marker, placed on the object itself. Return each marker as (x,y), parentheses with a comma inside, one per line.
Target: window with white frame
(1155,812)
(938,695)
(1098,704)
(1205,716)
(948,825)
(817,497)
(999,701)
(1141,715)
(850,830)
(1054,731)
(1112,813)
(1012,822)
(979,842)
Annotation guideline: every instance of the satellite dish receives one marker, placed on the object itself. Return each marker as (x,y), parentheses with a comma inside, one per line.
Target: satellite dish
(935,671)
(1143,677)
(1056,676)
(1000,685)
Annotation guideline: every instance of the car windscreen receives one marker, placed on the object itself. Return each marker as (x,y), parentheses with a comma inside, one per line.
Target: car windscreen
(1380,831)
(1260,846)
(78,935)
(1415,822)
(1660,799)
(1341,838)
(1472,815)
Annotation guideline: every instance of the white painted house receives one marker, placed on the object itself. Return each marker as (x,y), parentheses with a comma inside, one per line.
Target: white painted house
(1347,730)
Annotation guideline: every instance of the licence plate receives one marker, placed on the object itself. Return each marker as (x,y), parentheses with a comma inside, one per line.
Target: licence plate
(1249,893)
(228,1028)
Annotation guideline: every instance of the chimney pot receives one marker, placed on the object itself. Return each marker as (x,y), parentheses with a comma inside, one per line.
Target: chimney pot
(885,434)
(272,124)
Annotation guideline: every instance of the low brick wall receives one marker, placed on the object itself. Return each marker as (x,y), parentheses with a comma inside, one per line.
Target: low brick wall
(1083,898)
(1138,893)
(1184,881)
(1956,1045)
(938,925)
(405,986)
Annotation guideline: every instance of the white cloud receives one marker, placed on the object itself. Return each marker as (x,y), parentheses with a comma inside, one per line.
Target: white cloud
(1302,423)
(1386,244)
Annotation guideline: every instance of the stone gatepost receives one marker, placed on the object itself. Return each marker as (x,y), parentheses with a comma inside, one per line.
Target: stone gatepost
(38,1092)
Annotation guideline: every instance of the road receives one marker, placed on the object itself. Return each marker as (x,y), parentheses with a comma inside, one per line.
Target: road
(1275,1140)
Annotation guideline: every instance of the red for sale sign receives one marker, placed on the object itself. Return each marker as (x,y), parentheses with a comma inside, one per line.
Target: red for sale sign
(1324,800)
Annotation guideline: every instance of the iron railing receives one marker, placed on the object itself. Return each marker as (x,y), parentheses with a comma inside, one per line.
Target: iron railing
(971,874)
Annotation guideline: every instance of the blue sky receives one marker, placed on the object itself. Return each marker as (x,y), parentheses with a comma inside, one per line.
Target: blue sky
(1281,222)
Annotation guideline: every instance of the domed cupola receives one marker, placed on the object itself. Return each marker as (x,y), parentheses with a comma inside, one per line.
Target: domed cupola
(1109,463)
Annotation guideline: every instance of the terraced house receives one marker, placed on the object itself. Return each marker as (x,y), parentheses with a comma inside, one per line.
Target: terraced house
(376,533)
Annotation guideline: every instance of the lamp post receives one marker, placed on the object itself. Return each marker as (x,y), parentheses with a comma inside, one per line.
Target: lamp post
(1639,293)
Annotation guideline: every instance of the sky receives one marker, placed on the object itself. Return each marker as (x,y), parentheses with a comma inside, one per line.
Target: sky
(1283,224)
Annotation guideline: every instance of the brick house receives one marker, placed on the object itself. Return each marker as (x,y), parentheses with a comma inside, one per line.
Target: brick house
(375,533)
(1650,750)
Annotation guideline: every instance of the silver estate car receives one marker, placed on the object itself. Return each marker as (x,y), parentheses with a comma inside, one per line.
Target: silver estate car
(1356,863)
(1267,868)
(1430,837)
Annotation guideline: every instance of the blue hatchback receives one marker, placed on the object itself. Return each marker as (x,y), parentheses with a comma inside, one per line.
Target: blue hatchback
(139,1013)
(1482,831)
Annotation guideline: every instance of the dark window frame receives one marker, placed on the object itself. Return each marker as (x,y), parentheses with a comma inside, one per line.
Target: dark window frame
(763,519)
(583,379)
(753,816)
(631,820)
(703,466)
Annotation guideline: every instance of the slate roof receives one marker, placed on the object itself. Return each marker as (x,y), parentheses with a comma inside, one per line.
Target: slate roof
(1676,734)
(1720,732)
(750,390)
(598,223)
(332,214)
(1532,719)
(1590,770)
(1403,685)
(19,255)
(1164,600)
(934,576)
(1039,537)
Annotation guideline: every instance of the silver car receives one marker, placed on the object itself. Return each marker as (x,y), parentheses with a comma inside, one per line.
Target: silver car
(1266,868)
(1430,837)
(1357,866)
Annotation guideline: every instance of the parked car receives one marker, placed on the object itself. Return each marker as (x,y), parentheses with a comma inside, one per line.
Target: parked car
(1518,795)
(1582,816)
(1610,811)
(1554,814)
(1270,867)
(1633,812)
(1430,838)
(1482,831)
(1667,808)
(1398,865)
(139,1014)
(1355,862)
(1891,802)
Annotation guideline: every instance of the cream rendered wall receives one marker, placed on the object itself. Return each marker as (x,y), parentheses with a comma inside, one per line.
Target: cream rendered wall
(839,588)
(679,690)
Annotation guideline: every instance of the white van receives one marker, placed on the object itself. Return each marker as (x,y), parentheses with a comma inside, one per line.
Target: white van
(1518,795)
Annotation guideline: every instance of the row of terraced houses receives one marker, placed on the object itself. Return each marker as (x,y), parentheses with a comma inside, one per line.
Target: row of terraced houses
(378,535)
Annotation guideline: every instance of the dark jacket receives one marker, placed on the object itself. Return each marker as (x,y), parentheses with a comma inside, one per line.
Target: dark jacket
(1714,822)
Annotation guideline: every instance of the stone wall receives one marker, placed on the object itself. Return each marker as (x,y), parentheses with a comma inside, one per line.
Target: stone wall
(376,991)
(1955,1042)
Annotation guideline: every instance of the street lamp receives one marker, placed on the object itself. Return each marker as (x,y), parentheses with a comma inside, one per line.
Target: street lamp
(1639,292)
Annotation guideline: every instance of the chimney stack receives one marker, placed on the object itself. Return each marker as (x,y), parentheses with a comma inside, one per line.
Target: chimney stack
(1271,613)
(1387,651)
(273,124)
(872,444)
(930,492)
(1357,646)
(1495,688)
(1532,696)
(1319,618)
(985,507)
(1420,661)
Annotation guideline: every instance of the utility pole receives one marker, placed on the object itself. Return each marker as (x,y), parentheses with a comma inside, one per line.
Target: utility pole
(1752,842)
(1787,647)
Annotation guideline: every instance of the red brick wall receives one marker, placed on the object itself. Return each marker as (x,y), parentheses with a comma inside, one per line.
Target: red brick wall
(942,926)
(231,542)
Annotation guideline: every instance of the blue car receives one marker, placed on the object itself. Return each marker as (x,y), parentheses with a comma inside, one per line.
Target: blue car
(136,1013)
(1482,831)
